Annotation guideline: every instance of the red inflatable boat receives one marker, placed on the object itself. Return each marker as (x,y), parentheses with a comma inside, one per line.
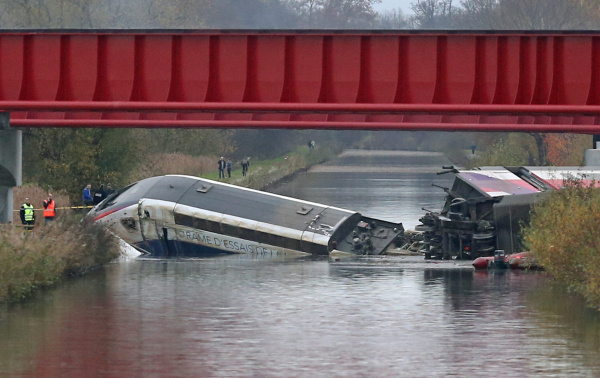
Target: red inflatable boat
(521,260)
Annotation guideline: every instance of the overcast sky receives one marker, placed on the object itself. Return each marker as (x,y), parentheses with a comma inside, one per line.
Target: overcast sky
(394,4)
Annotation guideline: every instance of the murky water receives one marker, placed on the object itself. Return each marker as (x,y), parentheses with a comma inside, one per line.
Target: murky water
(394,186)
(279,316)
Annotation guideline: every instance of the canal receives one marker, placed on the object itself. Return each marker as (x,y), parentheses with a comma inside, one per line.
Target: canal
(273,316)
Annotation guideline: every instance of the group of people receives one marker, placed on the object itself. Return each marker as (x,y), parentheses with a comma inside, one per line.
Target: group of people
(225,166)
(92,198)
(27,212)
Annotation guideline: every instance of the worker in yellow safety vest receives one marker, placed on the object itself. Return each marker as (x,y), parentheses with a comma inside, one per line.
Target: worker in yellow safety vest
(27,215)
(49,209)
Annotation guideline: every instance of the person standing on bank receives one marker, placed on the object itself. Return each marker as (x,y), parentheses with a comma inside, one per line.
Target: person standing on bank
(87,195)
(229,164)
(245,163)
(222,165)
(27,215)
(109,190)
(99,195)
(49,209)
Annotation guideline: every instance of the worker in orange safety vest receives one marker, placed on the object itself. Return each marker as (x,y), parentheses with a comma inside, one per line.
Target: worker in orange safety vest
(49,209)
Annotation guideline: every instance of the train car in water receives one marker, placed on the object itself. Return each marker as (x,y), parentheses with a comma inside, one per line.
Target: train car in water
(179,216)
(486,207)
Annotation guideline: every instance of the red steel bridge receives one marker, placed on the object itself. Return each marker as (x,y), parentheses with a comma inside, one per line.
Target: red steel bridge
(405,80)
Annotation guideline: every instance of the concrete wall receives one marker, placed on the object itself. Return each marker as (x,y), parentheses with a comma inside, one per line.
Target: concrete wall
(591,158)
(10,166)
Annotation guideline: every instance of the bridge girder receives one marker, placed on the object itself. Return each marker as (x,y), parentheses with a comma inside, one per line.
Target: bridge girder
(459,80)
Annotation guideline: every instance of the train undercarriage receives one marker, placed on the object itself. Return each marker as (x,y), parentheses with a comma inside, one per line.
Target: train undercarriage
(486,208)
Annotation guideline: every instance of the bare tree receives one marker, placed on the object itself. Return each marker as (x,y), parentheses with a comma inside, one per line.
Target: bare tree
(432,14)
(44,14)
(527,14)
(393,19)
(306,10)
(339,14)
(253,14)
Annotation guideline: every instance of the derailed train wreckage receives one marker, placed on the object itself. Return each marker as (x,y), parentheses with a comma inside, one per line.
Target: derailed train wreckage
(485,209)
(185,216)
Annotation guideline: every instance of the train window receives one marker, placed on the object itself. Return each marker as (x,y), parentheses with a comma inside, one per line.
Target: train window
(229,230)
(262,237)
(276,240)
(184,220)
(213,226)
(245,233)
(200,224)
(291,244)
(112,199)
(130,194)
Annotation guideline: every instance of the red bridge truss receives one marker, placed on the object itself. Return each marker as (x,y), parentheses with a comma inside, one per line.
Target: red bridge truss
(478,81)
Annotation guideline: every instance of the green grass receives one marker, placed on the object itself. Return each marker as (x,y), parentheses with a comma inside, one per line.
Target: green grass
(264,172)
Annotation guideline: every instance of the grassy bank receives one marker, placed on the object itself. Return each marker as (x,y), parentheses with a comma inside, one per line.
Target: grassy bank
(265,172)
(31,260)
(40,258)
(563,235)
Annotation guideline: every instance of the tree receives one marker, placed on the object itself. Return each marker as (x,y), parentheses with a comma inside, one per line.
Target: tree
(190,142)
(431,14)
(506,149)
(177,14)
(306,10)
(66,13)
(526,14)
(566,149)
(393,19)
(67,159)
(253,14)
(335,14)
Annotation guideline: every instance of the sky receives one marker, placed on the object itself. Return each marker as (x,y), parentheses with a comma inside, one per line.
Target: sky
(386,5)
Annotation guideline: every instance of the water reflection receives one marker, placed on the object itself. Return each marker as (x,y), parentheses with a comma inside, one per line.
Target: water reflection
(256,315)
(270,317)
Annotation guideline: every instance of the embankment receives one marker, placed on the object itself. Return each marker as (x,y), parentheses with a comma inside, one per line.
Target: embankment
(40,258)
(30,260)
(264,173)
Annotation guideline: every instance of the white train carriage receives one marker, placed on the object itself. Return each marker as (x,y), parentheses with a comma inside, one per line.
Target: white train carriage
(175,215)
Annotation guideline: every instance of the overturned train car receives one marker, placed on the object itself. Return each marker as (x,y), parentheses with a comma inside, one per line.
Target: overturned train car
(184,216)
(485,208)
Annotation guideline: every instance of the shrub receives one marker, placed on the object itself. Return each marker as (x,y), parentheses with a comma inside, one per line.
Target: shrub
(563,235)
(175,163)
(39,258)
(513,151)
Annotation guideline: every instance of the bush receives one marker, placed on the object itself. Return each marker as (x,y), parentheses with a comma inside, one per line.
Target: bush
(175,163)
(563,235)
(514,151)
(39,258)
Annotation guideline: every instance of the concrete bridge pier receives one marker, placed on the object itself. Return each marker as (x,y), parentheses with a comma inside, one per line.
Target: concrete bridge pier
(591,157)
(11,148)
